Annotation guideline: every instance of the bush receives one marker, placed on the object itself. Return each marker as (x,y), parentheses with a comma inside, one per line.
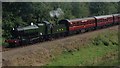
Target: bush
(101,40)
(97,40)
(106,43)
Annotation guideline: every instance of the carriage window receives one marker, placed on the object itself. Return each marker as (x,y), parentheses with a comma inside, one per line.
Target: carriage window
(80,23)
(92,21)
(77,23)
(89,22)
(73,23)
(83,23)
(102,20)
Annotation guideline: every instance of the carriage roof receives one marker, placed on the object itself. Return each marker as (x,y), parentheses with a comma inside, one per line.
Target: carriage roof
(103,16)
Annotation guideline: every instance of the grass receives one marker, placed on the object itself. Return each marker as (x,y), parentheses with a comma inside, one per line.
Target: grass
(99,52)
(85,56)
(113,62)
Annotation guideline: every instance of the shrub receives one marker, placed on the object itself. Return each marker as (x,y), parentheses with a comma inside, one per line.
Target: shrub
(97,40)
(106,43)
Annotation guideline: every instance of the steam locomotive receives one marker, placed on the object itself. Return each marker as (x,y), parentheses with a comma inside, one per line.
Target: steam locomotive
(46,30)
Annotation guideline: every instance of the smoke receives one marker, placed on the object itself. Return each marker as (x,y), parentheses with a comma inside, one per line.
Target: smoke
(56,13)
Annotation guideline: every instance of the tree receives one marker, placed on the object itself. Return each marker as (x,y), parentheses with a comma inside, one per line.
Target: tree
(80,9)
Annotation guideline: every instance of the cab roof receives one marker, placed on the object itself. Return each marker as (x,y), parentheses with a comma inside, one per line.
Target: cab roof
(27,27)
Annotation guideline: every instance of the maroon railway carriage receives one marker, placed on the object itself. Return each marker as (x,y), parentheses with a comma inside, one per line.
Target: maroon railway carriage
(116,18)
(79,24)
(104,20)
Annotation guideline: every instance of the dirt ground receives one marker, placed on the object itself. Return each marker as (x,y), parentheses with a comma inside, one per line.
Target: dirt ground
(41,53)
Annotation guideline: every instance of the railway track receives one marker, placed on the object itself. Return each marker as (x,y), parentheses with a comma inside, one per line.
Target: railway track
(7,49)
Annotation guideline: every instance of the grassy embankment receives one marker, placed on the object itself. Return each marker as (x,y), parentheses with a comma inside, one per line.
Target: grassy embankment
(103,50)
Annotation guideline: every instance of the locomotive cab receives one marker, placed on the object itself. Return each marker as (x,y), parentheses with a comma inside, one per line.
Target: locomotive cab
(48,27)
(66,22)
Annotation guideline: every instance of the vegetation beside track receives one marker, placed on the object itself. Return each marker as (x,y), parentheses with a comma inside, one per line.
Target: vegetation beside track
(102,50)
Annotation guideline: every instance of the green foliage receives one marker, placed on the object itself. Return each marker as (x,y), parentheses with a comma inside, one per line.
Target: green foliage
(97,41)
(101,40)
(106,39)
(80,9)
(103,8)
